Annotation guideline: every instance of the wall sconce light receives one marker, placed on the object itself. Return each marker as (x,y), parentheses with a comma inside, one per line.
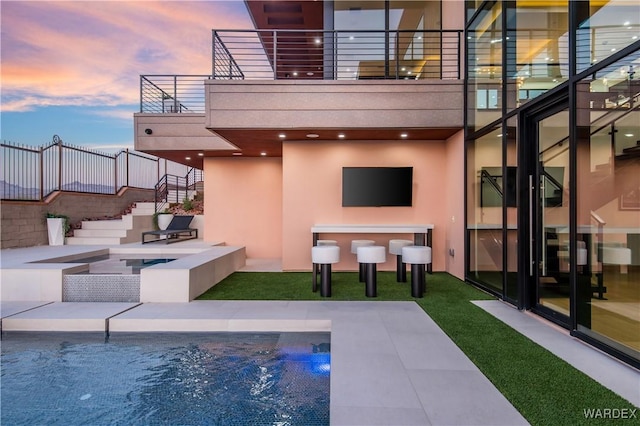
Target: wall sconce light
(148,131)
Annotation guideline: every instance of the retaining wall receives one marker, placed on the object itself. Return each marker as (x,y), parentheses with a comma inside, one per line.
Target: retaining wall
(24,223)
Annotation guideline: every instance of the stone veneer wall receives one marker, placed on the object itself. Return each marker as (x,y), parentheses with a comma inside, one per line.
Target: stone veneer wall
(23,223)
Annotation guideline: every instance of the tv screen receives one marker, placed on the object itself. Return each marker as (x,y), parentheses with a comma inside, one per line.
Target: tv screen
(377,186)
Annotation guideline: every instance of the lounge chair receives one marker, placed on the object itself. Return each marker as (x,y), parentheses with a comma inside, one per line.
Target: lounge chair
(177,230)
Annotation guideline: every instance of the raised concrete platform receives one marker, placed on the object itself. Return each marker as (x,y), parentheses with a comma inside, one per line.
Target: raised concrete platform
(181,280)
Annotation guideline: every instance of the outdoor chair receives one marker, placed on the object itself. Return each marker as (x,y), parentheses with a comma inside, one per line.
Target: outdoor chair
(177,230)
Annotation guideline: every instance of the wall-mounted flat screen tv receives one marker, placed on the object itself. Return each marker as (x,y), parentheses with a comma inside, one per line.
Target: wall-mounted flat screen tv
(377,186)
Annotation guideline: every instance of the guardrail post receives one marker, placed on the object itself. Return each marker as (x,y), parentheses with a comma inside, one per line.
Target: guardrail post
(59,165)
(275,55)
(127,165)
(41,153)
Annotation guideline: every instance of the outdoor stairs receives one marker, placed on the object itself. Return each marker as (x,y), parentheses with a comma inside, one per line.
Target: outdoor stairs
(115,231)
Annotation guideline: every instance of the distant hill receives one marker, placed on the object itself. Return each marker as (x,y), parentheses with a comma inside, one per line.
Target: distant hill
(10,191)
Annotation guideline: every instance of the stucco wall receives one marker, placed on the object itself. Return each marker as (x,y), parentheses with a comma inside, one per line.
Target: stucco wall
(244,204)
(312,188)
(455,226)
(24,224)
(270,204)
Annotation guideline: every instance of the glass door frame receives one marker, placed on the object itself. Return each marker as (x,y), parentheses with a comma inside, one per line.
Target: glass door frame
(529,213)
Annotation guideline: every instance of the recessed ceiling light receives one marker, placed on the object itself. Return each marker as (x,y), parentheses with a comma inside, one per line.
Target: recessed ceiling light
(237,153)
(626,23)
(403,69)
(350,37)
(187,158)
(317,41)
(403,135)
(313,135)
(341,135)
(295,73)
(264,154)
(282,136)
(201,154)
(309,74)
(629,135)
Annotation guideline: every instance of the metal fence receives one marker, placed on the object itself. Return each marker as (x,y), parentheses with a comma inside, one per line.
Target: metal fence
(32,173)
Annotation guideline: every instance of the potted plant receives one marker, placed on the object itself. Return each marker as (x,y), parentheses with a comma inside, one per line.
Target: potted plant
(162,219)
(57,227)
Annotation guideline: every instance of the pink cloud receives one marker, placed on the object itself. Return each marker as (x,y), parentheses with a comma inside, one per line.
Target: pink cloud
(92,52)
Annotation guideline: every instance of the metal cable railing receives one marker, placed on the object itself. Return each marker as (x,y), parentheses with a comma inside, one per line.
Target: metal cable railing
(163,94)
(32,173)
(336,55)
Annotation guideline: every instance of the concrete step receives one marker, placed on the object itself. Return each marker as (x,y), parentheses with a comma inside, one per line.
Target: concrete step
(125,223)
(89,241)
(142,211)
(84,233)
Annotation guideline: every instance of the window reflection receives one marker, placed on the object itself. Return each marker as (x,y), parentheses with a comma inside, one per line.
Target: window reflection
(608,193)
(486,187)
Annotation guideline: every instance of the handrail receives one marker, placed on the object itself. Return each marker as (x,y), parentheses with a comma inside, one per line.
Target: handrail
(174,189)
(611,111)
(492,181)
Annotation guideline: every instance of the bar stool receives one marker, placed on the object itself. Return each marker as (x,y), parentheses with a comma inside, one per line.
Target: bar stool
(395,247)
(370,256)
(418,257)
(314,266)
(354,250)
(325,256)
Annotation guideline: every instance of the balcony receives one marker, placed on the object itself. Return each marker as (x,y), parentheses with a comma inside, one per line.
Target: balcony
(373,84)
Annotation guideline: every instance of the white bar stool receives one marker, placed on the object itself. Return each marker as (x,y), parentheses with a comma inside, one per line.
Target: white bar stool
(314,266)
(325,256)
(418,257)
(395,247)
(354,250)
(370,256)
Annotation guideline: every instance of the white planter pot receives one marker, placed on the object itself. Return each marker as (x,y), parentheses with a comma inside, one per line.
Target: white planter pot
(163,220)
(55,229)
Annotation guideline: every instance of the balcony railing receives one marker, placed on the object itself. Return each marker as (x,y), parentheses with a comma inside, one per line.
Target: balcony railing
(308,55)
(336,55)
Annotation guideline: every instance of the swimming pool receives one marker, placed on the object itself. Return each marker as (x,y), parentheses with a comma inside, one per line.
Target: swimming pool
(166,378)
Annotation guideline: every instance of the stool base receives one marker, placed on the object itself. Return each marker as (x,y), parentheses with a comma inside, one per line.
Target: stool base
(417,280)
(371,280)
(401,270)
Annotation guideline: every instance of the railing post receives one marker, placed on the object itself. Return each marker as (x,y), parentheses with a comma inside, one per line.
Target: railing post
(275,54)
(41,173)
(115,173)
(127,166)
(213,54)
(59,165)
(175,94)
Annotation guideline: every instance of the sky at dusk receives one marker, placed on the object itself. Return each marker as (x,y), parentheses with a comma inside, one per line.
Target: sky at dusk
(72,68)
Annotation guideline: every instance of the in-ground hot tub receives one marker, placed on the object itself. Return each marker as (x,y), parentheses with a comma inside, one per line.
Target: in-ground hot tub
(169,275)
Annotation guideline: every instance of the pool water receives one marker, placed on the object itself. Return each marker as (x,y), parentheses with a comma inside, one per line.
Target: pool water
(118,264)
(165,379)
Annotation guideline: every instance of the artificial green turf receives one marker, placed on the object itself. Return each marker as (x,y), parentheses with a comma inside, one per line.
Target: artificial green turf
(544,388)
